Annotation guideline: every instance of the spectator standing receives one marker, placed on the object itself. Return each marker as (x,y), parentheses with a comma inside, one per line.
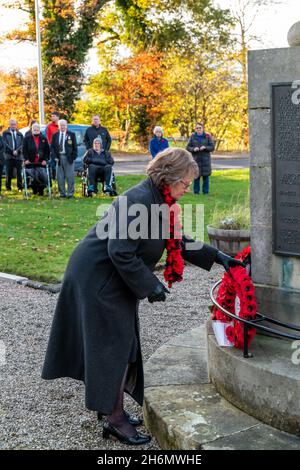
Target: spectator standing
(51,129)
(1,161)
(29,132)
(100,165)
(13,143)
(36,153)
(64,150)
(158,143)
(200,145)
(96,130)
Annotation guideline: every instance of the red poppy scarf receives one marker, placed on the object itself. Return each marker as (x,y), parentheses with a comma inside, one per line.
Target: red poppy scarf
(174,264)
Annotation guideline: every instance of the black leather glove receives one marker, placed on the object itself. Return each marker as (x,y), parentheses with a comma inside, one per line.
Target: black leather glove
(227,261)
(159,293)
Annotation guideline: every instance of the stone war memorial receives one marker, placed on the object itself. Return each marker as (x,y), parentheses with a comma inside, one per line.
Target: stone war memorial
(264,388)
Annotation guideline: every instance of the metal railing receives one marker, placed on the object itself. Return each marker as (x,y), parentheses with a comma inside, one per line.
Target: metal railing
(255,323)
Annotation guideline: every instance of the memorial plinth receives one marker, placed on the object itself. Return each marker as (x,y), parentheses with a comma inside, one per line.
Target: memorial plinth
(274,124)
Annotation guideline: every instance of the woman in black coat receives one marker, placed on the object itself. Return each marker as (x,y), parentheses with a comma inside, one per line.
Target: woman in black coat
(36,153)
(200,145)
(94,335)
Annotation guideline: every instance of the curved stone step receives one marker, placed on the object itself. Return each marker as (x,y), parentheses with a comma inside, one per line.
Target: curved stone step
(184,411)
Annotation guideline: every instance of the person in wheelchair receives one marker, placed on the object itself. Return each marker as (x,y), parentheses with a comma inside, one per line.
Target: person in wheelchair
(99,163)
(36,153)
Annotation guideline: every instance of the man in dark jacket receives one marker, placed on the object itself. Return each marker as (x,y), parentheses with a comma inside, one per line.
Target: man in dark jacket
(13,142)
(96,130)
(36,154)
(200,145)
(1,161)
(64,150)
(100,165)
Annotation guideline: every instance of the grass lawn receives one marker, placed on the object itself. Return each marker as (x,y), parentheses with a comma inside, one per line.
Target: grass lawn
(38,235)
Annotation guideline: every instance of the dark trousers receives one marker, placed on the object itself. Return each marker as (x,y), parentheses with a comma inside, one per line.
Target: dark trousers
(1,170)
(10,165)
(96,172)
(205,185)
(37,179)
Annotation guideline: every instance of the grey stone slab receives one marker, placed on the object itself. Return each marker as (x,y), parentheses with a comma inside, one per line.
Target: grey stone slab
(270,66)
(266,386)
(176,365)
(259,437)
(194,338)
(261,195)
(260,136)
(186,417)
(266,267)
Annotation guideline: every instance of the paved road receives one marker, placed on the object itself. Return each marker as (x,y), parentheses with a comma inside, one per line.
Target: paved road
(123,167)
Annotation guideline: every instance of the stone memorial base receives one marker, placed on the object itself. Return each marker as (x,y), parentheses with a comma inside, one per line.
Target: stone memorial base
(266,386)
(279,303)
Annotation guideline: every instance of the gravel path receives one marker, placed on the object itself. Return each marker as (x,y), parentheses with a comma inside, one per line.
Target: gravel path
(37,414)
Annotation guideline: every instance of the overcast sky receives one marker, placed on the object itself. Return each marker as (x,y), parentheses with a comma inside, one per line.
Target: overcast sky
(271,24)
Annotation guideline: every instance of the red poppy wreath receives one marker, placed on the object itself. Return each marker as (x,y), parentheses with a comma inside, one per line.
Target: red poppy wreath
(237,295)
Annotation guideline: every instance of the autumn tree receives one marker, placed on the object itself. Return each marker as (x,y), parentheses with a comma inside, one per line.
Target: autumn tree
(67,31)
(18,97)
(131,93)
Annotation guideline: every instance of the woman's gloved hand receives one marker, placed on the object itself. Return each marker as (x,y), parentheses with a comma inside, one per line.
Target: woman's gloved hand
(159,294)
(227,261)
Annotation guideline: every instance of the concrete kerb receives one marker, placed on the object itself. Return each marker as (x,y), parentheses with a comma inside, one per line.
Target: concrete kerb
(52,288)
(24,281)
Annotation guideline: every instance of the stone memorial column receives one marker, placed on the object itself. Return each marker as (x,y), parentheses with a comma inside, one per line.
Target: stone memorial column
(274,122)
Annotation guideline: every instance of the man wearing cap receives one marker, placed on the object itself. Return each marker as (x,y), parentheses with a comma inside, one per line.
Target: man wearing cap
(158,143)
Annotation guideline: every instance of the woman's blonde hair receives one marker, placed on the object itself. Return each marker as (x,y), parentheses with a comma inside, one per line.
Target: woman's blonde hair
(171,165)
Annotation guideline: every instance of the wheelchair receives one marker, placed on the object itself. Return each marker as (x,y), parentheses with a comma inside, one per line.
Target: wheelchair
(85,184)
(29,183)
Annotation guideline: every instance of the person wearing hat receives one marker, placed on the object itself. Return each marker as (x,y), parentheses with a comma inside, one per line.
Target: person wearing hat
(100,164)
(158,143)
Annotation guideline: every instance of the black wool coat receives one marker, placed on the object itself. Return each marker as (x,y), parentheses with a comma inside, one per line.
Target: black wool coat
(9,146)
(95,333)
(29,148)
(92,132)
(91,157)
(202,157)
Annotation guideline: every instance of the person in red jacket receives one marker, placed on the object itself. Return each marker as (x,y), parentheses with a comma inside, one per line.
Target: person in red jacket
(51,129)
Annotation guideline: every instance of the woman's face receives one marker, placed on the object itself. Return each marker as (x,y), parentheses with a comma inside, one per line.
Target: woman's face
(35,130)
(158,134)
(180,188)
(199,129)
(97,146)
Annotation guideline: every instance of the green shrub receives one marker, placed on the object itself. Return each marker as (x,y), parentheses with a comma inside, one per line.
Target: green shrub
(235,217)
